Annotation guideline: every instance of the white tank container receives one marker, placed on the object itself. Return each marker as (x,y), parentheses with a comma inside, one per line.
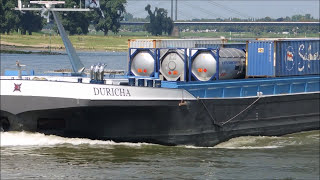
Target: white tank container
(204,64)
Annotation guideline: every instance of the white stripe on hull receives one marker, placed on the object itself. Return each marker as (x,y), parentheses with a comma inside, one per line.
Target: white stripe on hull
(89,91)
(28,95)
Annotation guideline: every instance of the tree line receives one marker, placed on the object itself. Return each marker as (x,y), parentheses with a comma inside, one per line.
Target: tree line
(261,29)
(237,28)
(27,22)
(74,22)
(114,12)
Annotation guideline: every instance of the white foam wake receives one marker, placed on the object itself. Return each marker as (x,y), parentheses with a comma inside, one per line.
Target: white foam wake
(246,142)
(268,142)
(251,142)
(39,139)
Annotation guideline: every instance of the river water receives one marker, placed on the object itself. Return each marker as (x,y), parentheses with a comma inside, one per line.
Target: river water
(43,63)
(27,155)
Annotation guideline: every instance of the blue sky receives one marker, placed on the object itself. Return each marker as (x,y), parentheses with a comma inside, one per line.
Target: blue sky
(190,9)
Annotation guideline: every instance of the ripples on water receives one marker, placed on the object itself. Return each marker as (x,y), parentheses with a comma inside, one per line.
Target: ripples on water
(43,63)
(35,155)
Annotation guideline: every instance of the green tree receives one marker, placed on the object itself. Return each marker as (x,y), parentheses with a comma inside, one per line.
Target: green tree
(30,22)
(13,20)
(308,17)
(127,17)
(267,19)
(9,17)
(75,22)
(159,21)
(113,11)
(2,19)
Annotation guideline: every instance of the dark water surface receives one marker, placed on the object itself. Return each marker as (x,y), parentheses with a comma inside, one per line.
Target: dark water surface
(36,156)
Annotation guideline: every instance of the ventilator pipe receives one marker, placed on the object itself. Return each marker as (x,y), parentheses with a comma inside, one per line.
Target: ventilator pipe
(102,71)
(91,72)
(96,72)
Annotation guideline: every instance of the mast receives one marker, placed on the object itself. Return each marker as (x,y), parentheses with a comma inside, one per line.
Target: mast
(75,61)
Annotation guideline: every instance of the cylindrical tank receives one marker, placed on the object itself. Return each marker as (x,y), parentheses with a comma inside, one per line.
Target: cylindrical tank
(142,63)
(172,64)
(204,64)
(232,63)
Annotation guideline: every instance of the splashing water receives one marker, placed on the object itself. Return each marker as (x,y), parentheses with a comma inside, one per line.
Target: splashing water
(39,139)
(267,142)
(244,142)
(252,142)
(271,142)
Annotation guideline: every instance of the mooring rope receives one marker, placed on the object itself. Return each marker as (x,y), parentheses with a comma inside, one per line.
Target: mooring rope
(242,111)
(213,121)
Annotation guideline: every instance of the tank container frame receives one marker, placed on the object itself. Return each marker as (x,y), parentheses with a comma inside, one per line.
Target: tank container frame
(192,55)
(183,56)
(135,51)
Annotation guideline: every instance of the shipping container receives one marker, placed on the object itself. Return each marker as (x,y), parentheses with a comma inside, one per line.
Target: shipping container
(282,57)
(173,43)
(284,39)
(234,45)
(225,45)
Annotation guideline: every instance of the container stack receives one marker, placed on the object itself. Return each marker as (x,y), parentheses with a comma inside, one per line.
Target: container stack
(183,60)
(282,57)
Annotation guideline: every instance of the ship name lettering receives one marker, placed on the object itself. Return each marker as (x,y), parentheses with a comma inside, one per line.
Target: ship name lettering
(111,91)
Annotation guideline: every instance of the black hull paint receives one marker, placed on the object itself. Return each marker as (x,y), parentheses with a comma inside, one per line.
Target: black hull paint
(203,122)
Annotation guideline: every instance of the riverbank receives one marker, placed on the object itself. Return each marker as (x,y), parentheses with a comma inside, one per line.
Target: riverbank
(48,44)
(13,49)
(53,43)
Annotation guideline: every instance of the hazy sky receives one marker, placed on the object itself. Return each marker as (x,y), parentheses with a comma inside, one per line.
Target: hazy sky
(191,9)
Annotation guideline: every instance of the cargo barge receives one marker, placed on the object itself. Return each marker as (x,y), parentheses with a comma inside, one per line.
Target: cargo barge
(172,96)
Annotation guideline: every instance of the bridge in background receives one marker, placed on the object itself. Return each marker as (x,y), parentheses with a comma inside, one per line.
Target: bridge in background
(177,23)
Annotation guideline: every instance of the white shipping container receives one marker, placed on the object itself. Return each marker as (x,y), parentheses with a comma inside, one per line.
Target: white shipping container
(173,43)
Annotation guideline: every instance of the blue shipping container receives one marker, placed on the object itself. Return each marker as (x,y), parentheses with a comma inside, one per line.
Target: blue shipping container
(283,58)
(260,58)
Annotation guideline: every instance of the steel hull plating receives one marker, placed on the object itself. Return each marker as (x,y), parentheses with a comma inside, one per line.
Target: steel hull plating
(200,122)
